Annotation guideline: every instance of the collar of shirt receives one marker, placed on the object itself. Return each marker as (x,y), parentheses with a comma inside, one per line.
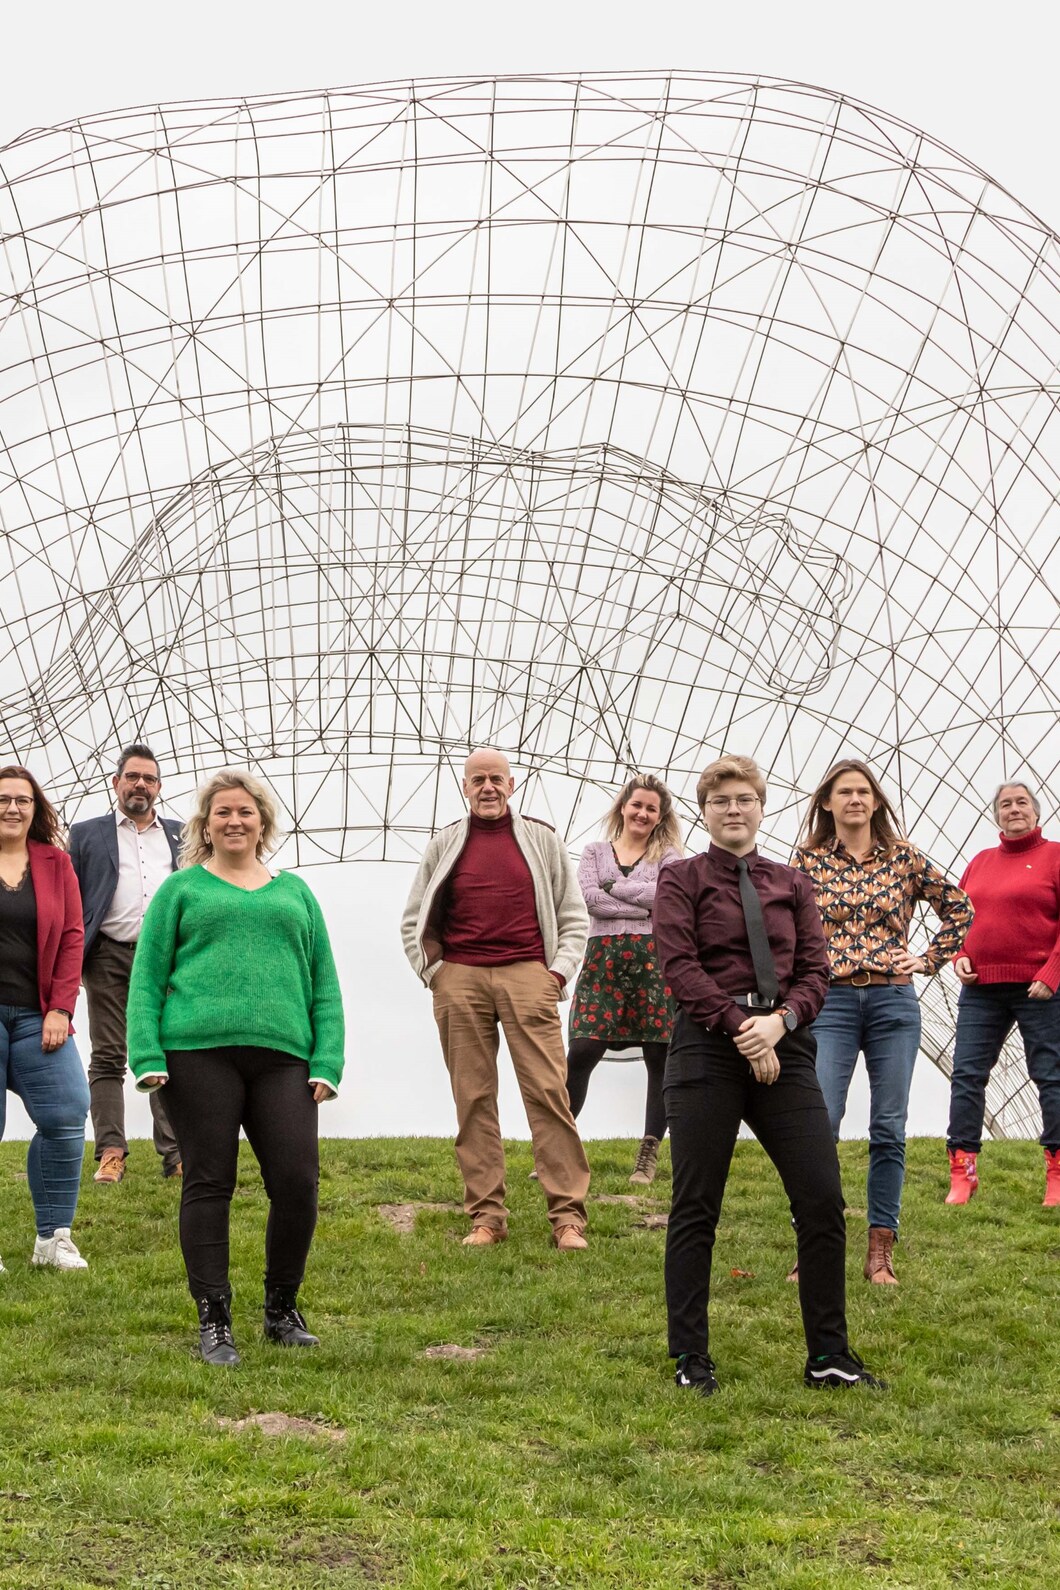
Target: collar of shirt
(124,821)
(728,859)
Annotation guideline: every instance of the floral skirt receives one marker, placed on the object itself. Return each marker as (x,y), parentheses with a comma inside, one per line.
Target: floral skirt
(620,995)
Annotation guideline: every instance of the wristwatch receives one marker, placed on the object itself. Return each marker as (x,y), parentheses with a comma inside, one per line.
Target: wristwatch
(789,1018)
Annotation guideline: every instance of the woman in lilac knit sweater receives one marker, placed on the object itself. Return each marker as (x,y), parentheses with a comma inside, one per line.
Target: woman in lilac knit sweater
(621,999)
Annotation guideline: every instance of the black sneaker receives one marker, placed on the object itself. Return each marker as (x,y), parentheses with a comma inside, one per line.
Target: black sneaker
(696,1372)
(840,1371)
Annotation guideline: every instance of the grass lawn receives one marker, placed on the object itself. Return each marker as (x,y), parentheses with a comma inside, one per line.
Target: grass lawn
(563,1455)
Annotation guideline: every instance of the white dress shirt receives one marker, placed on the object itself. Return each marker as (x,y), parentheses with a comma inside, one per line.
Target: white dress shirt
(145,861)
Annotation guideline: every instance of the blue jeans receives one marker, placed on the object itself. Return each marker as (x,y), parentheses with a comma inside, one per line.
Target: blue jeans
(985,1016)
(54,1089)
(882,1022)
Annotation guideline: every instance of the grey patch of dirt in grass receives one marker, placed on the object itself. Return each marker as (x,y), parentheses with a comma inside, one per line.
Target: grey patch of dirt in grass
(630,1200)
(282,1424)
(403,1216)
(452,1351)
(657,1222)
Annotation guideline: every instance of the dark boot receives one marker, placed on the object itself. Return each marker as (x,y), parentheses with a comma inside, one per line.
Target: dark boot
(215,1328)
(283,1323)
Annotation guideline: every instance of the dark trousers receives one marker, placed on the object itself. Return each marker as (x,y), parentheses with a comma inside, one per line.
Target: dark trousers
(986,1014)
(709,1090)
(106,980)
(212,1093)
(583,1057)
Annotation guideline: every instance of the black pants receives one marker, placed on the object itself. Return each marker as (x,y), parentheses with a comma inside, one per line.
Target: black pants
(211,1093)
(709,1090)
(583,1057)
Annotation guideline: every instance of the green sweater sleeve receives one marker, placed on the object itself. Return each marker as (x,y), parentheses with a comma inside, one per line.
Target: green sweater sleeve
(329,1028)
(149,980)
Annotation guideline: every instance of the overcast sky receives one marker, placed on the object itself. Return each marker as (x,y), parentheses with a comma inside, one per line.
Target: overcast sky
(981,80)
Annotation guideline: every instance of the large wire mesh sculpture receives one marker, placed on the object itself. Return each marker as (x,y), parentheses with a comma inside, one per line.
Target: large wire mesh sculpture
(614,419)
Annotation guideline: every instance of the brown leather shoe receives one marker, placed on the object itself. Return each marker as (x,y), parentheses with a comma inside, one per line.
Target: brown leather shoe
(879,1265)
(793,1274)
(568,1239)
(484,1236)
(111,1165)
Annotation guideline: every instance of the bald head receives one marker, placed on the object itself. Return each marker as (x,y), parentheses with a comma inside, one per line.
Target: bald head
(488,783)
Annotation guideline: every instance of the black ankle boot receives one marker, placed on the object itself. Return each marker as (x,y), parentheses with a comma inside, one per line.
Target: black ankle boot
(283,1323)
(215,1328)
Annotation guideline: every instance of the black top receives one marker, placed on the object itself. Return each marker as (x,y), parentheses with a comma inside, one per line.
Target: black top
(18,945)
(625,871)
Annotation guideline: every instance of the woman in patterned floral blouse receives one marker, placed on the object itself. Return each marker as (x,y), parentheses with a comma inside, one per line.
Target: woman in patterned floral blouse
(621,998)
(868,879)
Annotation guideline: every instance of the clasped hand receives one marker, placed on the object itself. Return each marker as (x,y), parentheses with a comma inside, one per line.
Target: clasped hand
(757,1040)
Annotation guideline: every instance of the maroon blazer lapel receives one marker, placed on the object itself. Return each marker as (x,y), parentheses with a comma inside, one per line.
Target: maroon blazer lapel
(60,929)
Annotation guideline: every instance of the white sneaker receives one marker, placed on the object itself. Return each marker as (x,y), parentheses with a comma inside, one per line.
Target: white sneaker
(2,1270)
(58,1250)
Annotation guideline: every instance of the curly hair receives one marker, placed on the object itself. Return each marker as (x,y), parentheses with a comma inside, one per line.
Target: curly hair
(45,827)
(194,847)
(666,835)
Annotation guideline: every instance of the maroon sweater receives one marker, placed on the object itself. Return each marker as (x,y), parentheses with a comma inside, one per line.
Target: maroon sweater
(1015,937)
(489,915)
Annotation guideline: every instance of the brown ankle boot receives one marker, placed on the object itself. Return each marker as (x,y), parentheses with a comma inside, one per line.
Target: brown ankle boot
(879,1266)
(647,1162)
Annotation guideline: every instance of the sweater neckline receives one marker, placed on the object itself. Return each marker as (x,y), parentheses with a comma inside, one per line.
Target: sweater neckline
(238,887)
(1016,847)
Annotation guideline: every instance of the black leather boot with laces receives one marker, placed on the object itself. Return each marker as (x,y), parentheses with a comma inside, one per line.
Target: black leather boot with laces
(283,1323)
(215,1328)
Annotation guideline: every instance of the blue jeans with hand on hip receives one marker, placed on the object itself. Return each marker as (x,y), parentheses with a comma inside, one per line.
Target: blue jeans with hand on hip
(882,1022)
(54,1089)
(986,1014)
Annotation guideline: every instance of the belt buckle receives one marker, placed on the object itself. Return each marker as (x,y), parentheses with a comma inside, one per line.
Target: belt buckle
(855,979)
(756,1002)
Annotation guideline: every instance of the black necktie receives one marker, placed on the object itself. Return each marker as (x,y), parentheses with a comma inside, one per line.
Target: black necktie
(757,938)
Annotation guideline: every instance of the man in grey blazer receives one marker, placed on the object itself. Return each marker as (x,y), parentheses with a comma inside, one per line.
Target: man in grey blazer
(121,860)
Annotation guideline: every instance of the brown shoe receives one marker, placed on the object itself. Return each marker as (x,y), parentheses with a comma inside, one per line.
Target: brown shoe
(879,1266)
(173,1172)
(793,1274)
(568,1239)
(484,1236)
(647,1162)
(111,1165)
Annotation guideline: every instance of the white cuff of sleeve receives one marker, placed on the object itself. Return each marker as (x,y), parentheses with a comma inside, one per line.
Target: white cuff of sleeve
(150,1081)
(333,1091)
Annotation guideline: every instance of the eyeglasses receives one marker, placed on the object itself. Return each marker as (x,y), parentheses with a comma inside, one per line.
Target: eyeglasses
(23,802)
(141,778)
(721,803)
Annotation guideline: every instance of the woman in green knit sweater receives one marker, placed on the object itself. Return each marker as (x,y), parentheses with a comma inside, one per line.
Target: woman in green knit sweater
(234,1008)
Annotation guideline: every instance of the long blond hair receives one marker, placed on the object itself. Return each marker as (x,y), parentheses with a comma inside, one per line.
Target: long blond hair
(194,846)
(666,835)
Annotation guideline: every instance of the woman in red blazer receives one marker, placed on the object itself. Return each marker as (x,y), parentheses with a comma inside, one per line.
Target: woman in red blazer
(41,936)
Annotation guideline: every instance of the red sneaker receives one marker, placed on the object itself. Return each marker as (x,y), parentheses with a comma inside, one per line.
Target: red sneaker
(964,1178)
(1052,1180)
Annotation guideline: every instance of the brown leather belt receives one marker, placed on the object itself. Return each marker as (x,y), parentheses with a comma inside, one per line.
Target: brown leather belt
(869,979)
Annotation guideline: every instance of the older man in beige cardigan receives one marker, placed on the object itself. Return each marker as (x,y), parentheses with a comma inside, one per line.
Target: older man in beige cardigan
(495,926)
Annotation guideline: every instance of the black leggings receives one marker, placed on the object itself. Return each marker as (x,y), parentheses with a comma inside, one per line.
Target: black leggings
(211,1093)
(583,1057)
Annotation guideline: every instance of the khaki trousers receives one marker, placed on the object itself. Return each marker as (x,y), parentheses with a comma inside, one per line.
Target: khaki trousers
(469,1002)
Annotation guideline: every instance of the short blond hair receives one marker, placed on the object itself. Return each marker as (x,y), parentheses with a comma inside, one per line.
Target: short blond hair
(194,849)
(727,767)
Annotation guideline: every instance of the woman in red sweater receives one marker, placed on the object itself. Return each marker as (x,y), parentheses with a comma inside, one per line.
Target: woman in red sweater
(1010,971)
(41,938)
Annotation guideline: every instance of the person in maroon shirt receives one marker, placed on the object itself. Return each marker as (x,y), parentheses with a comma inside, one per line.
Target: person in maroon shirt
(495,925)
(742,947)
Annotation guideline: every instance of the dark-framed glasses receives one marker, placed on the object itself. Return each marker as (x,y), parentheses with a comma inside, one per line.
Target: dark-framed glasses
(721,803)
(23,802)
